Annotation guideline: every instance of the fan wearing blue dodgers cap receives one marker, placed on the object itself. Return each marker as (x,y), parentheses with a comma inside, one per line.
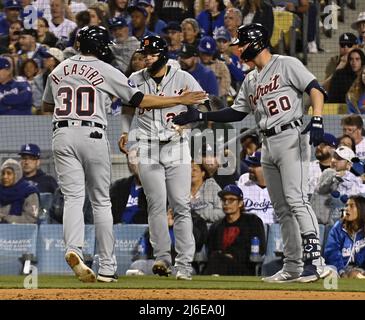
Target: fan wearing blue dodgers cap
(207,51)
(124,45)
(255,193)
(323,153)
(30,161)
(223,40)
(229,239)
(12,9)
(16,96)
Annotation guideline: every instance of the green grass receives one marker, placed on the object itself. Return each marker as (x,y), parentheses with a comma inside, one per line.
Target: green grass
(199,282)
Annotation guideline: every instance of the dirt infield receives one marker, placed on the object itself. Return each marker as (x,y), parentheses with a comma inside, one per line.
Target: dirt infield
(186,294)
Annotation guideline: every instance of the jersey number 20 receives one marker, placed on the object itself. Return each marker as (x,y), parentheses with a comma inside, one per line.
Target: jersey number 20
(81,101)
(284,104)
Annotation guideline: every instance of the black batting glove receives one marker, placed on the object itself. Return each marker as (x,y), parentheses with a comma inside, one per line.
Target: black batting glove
(315,129)
(192,115)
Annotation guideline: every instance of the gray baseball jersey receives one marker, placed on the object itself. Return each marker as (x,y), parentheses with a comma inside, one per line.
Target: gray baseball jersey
(167,174)
(156,123)
(81,89)
(275,97)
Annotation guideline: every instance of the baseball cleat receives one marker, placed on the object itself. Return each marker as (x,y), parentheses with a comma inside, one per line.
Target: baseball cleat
(161,268)
(312,273)
(282,277)
(82,271)
(183,275)
(105,278)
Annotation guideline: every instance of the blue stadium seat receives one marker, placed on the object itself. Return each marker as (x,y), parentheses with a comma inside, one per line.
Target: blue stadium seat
(15,241)
(126,239)
(51,248)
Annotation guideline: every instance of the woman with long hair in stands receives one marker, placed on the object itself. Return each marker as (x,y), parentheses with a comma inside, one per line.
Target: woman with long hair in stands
(355,98)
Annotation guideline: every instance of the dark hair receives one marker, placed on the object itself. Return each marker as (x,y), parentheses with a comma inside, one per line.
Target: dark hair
(100,15)
(45,21)
(353,147)
(202,168)
(83,18)
(361,54)
(22,67)
(359,223)
(352,120)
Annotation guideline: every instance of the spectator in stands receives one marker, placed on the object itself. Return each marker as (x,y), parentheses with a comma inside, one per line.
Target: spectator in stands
(129,204)
(124,45)
(10,43)
(189,62)
(30,48)
(139,22)
(232,20)
(44,36)
(250,143)
(204,200)
(359,26)
(345,247)
(213,157)
(355,97)
(229,239)
(342,79)
(232,62)
(16,95)
(83,19)
(191,31)
(137,63)
(118,8)
(12,10)
(173,37)
(176,10)
(59,25)
(348,141)
(352,125)
(207,51)
(96,16)
(19,199)
(256,198)
(347,42)
(29,71)
(30,161)
(323,153)
(212,18)
(154,24)
(258,11)
(335,185)
(76,6)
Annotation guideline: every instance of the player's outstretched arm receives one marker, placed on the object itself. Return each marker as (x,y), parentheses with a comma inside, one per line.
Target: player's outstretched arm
(224,115)
(186,98)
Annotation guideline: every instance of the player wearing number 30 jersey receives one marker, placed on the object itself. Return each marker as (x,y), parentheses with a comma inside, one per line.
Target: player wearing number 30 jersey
(78,92)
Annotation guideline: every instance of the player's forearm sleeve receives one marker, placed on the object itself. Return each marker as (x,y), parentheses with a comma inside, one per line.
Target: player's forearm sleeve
(136,99)
(224,115)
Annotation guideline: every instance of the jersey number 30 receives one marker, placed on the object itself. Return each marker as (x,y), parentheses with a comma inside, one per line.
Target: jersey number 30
(81,101)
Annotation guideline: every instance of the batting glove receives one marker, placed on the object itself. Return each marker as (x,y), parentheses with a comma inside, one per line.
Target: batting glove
(315,129)
(192,115)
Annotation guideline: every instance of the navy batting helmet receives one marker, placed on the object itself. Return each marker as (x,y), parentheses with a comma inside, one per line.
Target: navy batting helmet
(154,45)
(95,40)
(256,36)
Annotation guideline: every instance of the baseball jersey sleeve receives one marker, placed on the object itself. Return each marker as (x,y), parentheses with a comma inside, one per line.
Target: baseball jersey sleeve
(47,94)
(119,85)
(240,102)
(297,74)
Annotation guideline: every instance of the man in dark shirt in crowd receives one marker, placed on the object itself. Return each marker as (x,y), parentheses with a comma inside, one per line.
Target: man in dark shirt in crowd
(30,162)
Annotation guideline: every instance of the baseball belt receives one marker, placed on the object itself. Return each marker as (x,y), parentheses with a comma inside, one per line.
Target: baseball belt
(273,131)
(83,123)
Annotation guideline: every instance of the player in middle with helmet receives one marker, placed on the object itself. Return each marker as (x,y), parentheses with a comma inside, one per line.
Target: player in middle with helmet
(164,159)
(273,92)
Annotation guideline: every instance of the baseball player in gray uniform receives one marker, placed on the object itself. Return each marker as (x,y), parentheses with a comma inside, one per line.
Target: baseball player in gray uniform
(273,93)
(164,160)
(78,92)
